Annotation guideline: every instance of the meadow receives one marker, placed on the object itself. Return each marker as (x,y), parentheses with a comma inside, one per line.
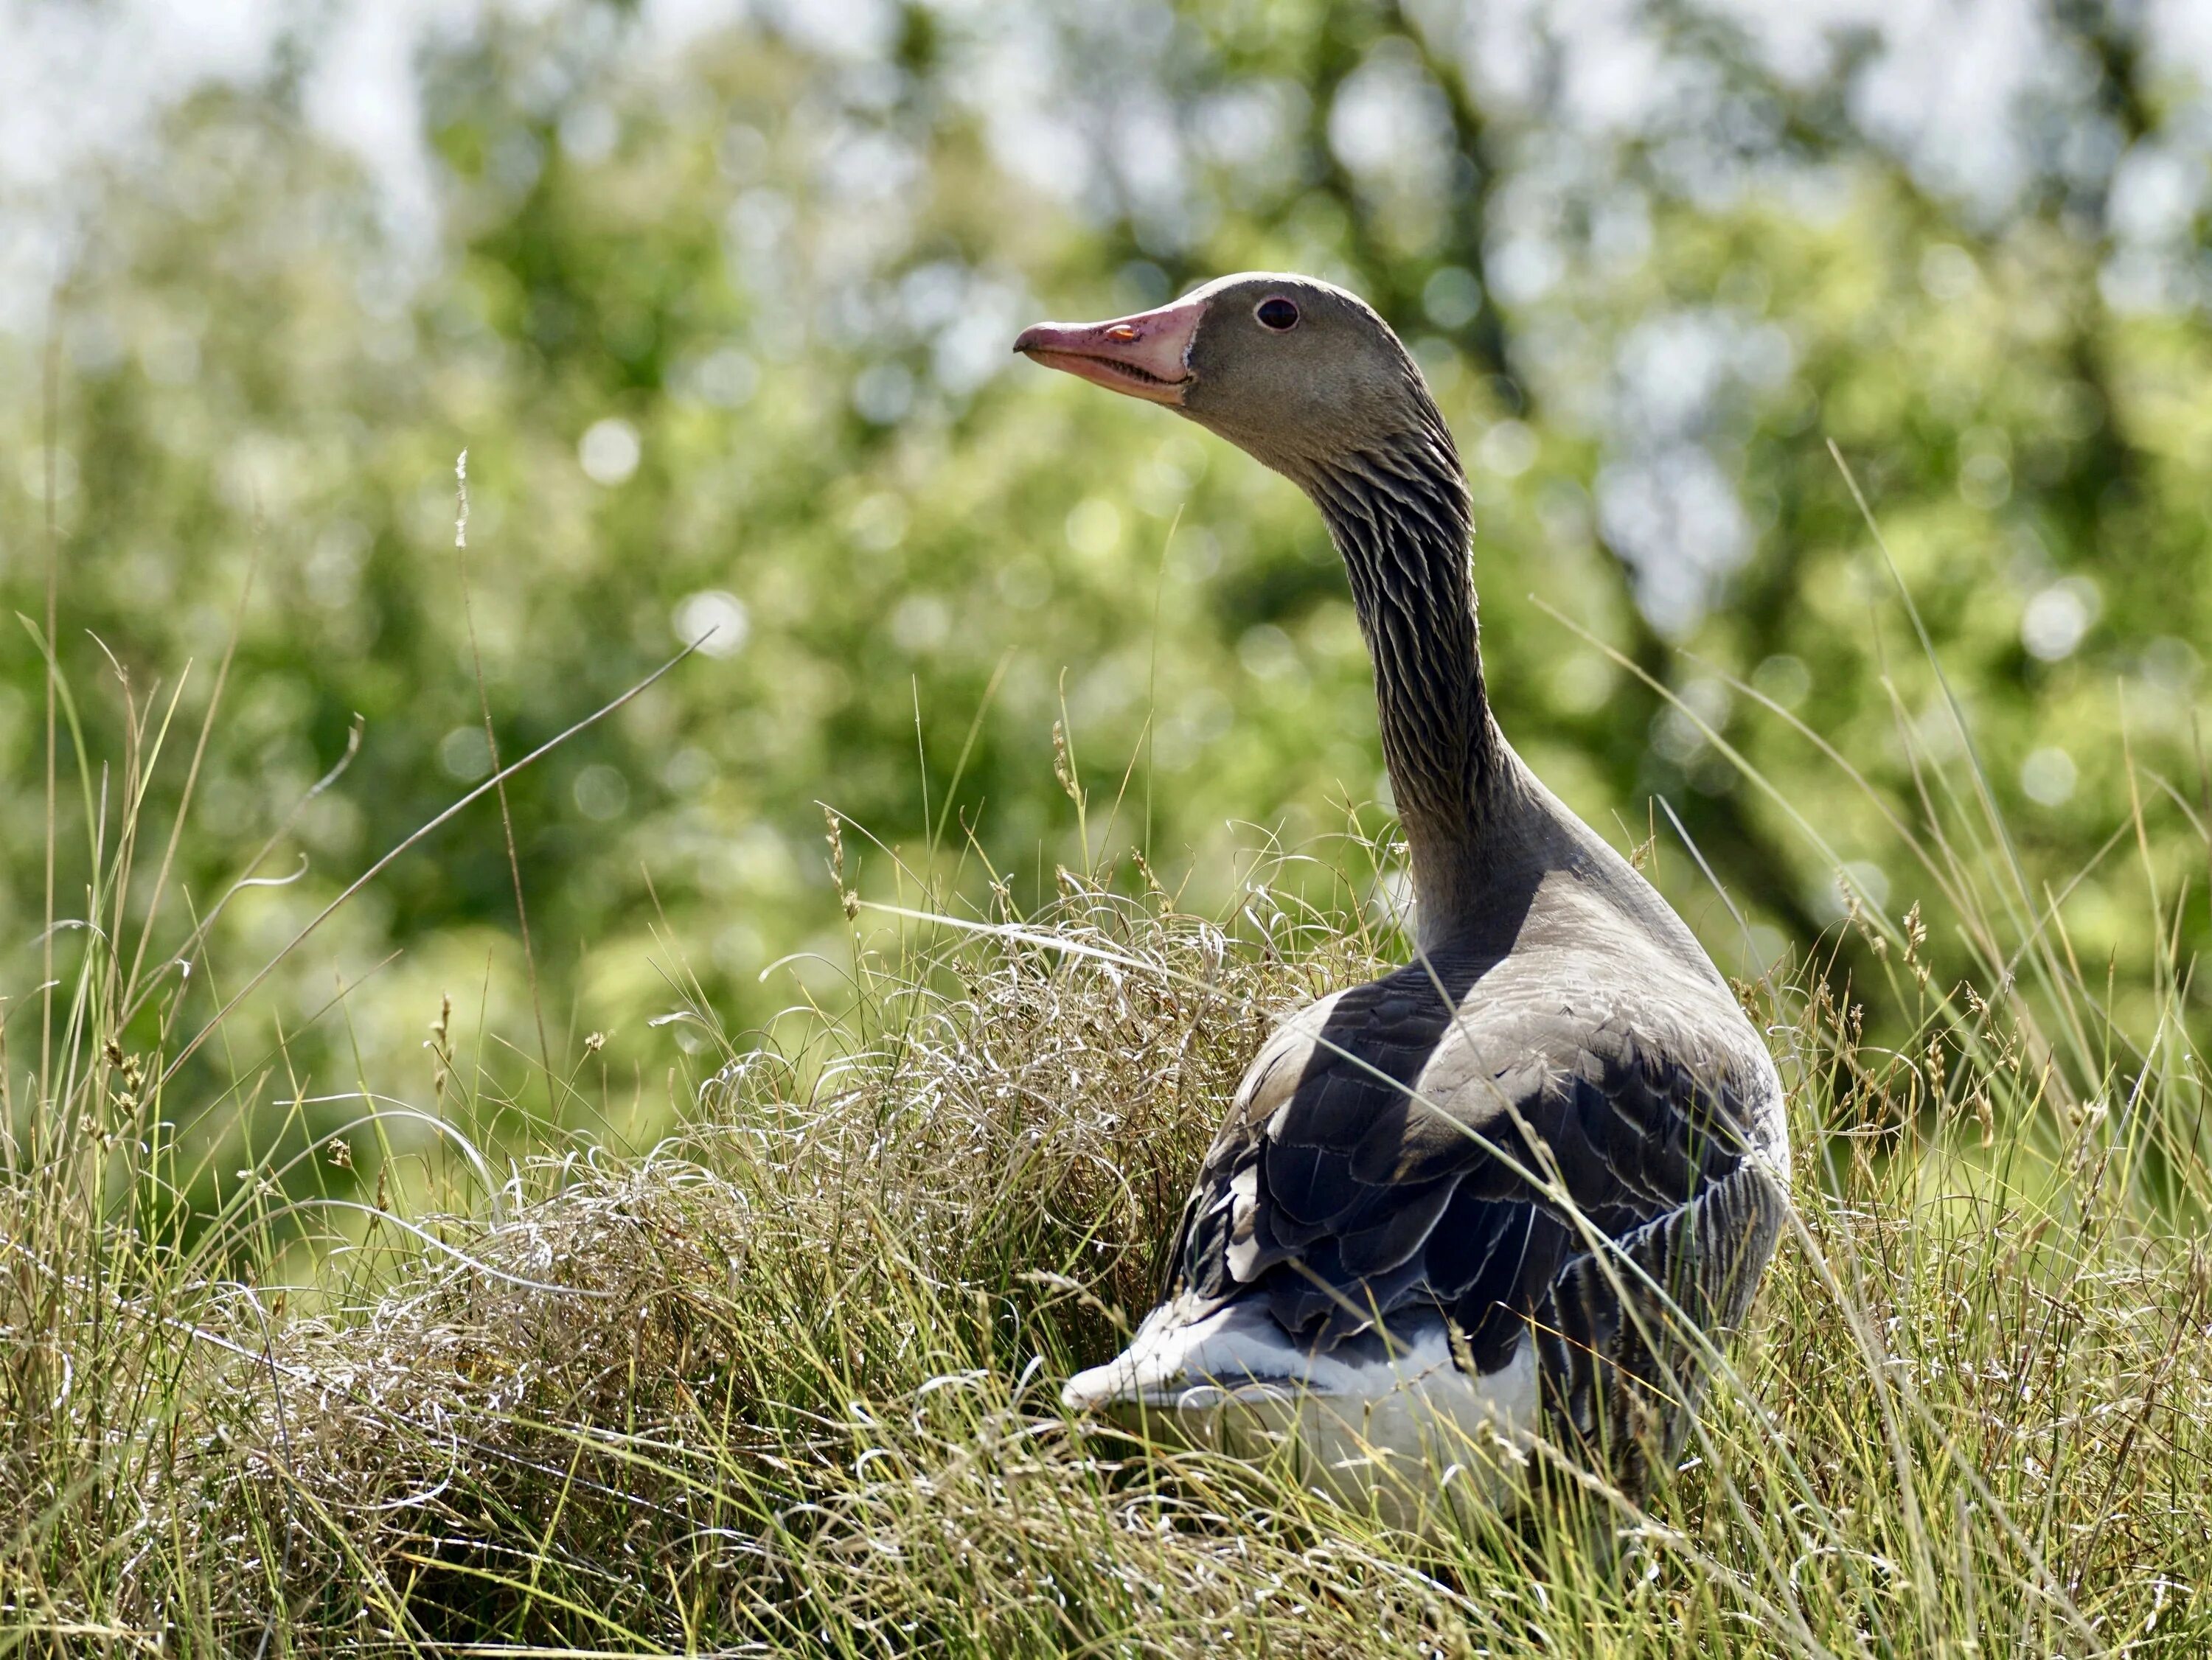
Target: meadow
(785,1381)
(586,1037)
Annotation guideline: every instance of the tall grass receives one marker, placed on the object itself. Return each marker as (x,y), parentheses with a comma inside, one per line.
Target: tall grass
(787,1380)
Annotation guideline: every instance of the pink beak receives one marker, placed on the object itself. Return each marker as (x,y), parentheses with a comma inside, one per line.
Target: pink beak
(1146,355)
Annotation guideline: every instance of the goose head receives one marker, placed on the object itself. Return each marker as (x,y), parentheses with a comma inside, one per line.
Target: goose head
(1295,371)
(1308,380)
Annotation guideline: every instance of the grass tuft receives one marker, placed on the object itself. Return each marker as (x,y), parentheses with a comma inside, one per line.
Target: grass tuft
(787,1380)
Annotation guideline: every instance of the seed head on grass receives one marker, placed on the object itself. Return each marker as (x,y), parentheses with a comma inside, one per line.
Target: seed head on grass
(787,1381)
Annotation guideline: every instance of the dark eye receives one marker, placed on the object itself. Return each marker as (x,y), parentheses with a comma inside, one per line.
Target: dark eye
(1277,313)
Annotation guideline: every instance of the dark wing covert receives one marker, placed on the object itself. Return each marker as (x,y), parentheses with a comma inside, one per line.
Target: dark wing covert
(1351,1200)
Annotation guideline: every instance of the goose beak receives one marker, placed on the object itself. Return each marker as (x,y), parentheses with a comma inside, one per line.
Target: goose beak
(1146,355)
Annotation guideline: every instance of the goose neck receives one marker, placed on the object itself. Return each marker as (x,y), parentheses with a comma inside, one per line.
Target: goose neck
(1399,516)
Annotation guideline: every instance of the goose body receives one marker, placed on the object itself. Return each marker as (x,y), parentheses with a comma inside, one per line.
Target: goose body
(1522,1186)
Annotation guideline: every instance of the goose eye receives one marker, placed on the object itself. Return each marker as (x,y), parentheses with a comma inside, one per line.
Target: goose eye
(1277,313)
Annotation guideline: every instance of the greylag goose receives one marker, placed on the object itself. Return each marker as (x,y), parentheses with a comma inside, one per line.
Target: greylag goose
(1522,1186)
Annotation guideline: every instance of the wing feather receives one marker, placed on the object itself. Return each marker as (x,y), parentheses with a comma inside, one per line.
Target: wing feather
(1378,1157)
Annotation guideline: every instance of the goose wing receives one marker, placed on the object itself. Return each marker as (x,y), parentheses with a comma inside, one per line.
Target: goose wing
(1380,1154)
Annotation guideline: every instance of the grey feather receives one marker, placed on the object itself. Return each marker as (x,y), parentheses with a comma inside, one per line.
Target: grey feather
(1555,1128)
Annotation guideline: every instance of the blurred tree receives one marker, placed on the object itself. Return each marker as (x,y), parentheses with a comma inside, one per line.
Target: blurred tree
(722,323)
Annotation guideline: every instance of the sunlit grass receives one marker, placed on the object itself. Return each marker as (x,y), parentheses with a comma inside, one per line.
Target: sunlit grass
(787,1380)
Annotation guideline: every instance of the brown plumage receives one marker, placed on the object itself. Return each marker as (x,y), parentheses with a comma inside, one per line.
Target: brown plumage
(1520,1185)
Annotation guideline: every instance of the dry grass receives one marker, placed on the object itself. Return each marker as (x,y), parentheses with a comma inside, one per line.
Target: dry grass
(787,1382)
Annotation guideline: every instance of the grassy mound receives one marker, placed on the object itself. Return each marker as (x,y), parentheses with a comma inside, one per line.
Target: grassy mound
(786,1383)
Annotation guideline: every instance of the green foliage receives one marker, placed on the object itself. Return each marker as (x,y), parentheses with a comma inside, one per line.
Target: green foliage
(724,336)
(789,276)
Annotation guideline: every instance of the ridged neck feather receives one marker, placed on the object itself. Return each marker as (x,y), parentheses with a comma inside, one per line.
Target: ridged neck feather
(1399,514)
